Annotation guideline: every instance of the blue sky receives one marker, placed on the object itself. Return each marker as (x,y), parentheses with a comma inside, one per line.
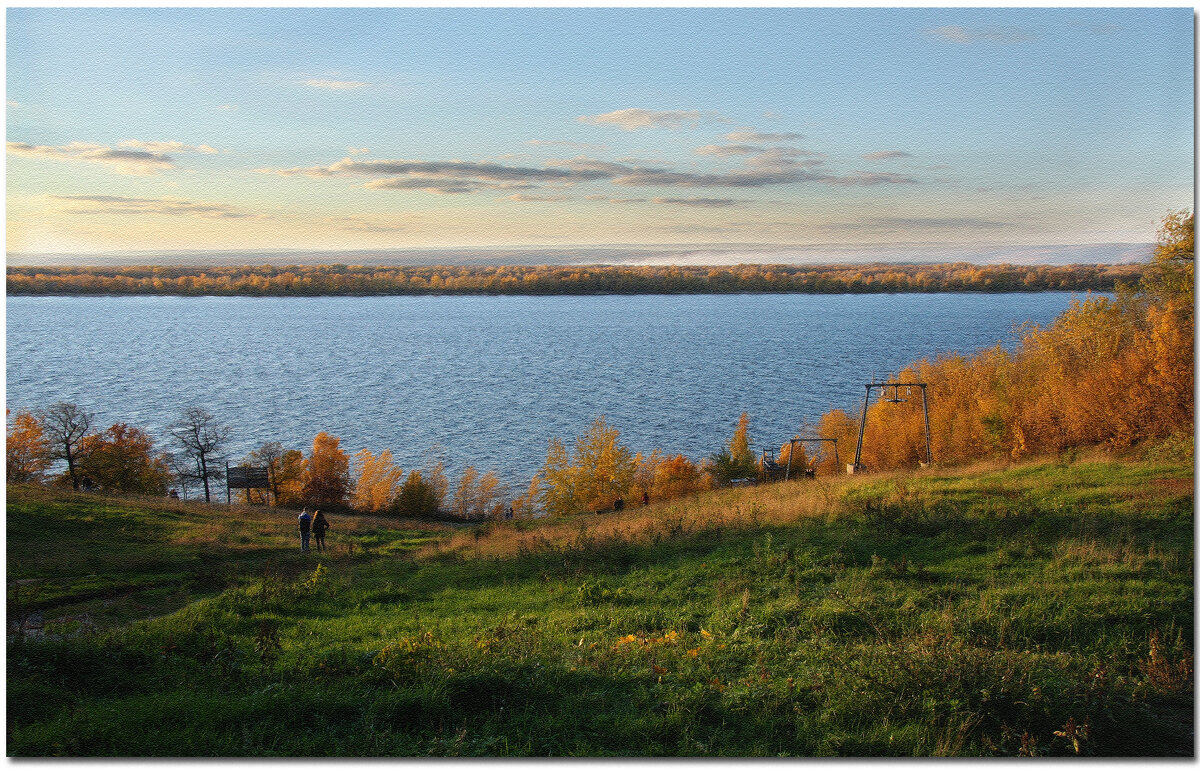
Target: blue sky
(157,129)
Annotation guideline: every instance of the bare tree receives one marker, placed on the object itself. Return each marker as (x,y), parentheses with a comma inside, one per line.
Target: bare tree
(65,424)
(181,469)
(203,441)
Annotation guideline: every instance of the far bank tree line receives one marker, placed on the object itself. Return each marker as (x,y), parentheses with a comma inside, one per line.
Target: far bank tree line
(343,280)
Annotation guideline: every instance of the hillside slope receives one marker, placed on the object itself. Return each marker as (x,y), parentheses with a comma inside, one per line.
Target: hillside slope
(1043,609)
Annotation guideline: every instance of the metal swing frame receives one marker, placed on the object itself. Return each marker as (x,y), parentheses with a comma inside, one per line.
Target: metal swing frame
(862,424)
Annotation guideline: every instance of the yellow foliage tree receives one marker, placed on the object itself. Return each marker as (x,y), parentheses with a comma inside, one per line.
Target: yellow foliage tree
(464,496)
(377,481)
(600,471)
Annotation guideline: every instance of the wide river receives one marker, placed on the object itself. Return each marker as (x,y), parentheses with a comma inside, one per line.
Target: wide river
(488,380)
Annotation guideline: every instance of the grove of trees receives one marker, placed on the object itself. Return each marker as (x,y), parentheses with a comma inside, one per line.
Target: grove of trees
(1110,372)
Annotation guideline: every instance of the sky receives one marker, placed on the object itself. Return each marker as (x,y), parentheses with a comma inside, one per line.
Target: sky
(364,129)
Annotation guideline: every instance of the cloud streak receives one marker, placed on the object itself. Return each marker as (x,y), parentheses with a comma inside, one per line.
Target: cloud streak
(363,224)
(163,147)
(487,171)
(569,144)
(106,204)
(631,119)
(877,155)
(335,86)
(749,135)
(733,150)
(539,198)
(760,166)
(903,223)
(965,36)
(124,161)
(699,202)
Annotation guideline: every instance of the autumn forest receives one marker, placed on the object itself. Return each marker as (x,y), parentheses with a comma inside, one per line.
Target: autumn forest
(281,281)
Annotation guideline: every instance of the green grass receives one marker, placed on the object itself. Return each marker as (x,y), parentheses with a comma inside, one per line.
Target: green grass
(1039,610)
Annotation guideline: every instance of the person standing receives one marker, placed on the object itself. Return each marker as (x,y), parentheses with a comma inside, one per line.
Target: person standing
(305,528)
(320,524)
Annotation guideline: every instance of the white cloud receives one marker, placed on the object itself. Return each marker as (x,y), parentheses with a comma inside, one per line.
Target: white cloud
(124,161)
(631,119)
(320,83)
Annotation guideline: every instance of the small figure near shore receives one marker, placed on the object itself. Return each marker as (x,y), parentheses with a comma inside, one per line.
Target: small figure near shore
(508,513)
(305,528)
(619,505)
(320,524)
(645,498)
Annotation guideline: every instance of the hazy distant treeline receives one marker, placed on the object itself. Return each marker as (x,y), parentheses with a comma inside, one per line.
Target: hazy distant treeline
(336,279)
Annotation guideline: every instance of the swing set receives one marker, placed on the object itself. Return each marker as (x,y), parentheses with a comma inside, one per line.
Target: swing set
(894,398)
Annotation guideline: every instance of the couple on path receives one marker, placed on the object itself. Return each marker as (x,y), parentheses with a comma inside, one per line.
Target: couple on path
(316,524)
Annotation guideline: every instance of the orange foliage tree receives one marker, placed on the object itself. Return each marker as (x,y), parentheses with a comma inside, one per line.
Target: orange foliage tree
(27,452)
(327,474)
(675,477)
(121,458)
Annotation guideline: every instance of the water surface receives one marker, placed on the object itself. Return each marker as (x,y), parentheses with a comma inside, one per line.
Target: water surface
(488,379)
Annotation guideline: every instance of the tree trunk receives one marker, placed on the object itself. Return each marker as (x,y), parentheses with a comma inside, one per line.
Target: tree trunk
(204,477)
(70,457)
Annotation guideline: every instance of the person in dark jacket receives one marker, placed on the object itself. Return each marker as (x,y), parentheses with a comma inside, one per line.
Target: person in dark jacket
(305,528)
(320,524)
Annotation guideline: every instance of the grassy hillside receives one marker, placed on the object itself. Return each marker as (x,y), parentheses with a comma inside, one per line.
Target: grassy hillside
(1045,609)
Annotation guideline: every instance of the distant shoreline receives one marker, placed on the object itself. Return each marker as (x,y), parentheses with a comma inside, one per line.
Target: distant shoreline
(340,280)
